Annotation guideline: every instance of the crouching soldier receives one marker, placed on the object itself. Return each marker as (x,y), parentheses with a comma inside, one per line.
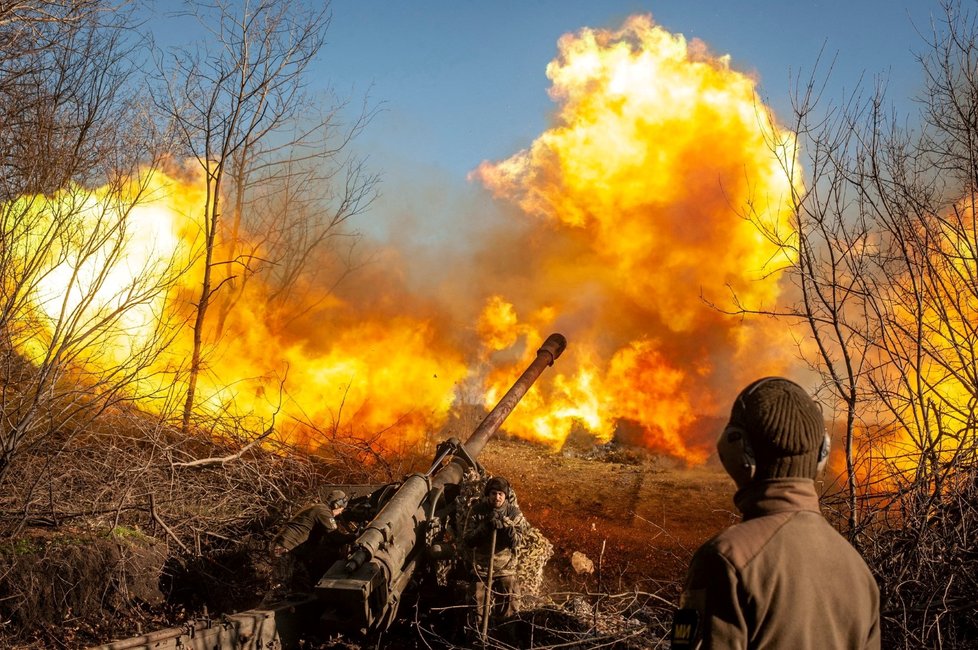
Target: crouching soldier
(312,540)
(493,532)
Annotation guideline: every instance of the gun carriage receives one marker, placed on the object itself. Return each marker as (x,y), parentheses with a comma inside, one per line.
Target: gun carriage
(364,590)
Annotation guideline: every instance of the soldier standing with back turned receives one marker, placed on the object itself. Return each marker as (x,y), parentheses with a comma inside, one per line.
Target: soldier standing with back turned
(783,577)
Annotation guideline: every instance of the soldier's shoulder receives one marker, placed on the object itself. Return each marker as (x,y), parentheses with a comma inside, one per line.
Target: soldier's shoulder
(741,543)
(315,510)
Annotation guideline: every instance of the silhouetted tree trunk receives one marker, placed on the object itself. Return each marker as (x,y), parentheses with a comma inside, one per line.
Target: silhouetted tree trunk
(224,102)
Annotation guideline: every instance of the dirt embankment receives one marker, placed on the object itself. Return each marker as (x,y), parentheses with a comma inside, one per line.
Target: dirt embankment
(636,516)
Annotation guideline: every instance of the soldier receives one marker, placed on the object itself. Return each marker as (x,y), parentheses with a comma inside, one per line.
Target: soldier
(492,532)
(783,577)
(313,538)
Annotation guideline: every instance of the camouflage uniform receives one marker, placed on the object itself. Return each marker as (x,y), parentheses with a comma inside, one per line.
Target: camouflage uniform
(508,524)
(311,524)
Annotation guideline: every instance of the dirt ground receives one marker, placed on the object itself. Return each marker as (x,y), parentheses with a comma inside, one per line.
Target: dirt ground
(637,517)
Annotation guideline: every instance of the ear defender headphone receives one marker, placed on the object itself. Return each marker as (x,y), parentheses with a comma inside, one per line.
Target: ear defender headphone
(736,453)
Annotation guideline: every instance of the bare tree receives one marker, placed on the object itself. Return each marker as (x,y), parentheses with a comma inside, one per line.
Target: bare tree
(292,200)
(829,249)
(914,194)
(67,287)
(230,101)
(886,271)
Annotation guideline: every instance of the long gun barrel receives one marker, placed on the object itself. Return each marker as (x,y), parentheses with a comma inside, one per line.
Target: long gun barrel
(365,589)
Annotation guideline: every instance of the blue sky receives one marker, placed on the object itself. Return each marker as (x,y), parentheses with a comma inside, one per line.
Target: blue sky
(462,82)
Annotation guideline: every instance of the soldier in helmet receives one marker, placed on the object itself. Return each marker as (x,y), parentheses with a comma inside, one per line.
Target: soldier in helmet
(492,532)
(783,577)
(313,538)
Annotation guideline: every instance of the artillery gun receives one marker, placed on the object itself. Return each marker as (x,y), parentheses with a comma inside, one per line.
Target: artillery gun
(365,590)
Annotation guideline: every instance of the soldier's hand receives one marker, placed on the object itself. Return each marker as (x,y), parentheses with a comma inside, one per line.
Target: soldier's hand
(499,520)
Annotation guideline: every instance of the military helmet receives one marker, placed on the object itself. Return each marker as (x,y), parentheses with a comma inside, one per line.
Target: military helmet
(337,499)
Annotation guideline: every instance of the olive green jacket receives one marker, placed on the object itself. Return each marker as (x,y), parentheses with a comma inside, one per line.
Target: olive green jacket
(315,521)
(782,578)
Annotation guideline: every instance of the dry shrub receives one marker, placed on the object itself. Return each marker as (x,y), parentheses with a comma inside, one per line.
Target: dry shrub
(626,621)
(925,558)
(918,532)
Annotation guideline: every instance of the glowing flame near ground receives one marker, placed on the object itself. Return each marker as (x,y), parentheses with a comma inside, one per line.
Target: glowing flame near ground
(657,149)
(379,379)
(926,343)
(95,260)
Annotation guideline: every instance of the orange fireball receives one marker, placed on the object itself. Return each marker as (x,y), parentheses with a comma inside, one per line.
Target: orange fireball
(387,380)
(642,184)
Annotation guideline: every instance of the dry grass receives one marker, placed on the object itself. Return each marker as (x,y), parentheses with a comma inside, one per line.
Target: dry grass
(926,561)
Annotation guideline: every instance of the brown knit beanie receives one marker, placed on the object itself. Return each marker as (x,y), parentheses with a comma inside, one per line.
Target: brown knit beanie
(784,427)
